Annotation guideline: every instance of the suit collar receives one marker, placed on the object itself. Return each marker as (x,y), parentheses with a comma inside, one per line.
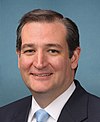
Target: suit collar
(75,110)
(21,114)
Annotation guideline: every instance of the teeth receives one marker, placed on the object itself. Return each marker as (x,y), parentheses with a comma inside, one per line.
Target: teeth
(41,75)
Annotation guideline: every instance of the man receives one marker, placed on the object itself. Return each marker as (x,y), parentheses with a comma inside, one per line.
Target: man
(48,51)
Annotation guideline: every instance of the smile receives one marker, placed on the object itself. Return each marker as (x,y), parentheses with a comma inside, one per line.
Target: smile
(41,75)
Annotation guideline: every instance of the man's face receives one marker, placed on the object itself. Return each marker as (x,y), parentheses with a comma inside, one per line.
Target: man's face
(44,58)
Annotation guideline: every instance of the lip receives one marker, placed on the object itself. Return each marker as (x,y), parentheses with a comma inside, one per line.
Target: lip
(41,76)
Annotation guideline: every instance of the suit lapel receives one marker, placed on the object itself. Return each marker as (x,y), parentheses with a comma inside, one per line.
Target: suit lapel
(21,114)
(65,116)
(75,110)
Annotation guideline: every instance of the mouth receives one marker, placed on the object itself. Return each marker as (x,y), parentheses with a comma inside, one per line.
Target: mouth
(41,74)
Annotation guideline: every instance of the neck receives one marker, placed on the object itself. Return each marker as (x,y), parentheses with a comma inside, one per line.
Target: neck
(44,99)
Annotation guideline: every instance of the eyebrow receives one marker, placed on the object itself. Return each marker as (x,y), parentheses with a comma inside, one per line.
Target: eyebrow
(27,45)
(31,45)
(54,45)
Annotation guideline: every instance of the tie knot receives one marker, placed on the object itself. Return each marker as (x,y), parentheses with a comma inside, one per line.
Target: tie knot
(41,115)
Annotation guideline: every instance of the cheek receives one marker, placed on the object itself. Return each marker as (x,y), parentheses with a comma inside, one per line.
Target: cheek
(62,67)
(24,63)
(58,64)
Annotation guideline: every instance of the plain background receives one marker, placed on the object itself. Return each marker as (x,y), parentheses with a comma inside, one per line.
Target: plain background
(85,13)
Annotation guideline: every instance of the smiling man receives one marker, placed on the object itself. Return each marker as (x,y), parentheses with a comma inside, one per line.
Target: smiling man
(48,51)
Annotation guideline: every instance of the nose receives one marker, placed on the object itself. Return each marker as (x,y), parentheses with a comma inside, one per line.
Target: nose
(40,60)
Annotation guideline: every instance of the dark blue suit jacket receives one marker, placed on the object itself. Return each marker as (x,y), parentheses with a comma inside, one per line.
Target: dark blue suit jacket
(81,107)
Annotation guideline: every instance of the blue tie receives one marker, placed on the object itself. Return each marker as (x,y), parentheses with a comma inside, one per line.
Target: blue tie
(41,115)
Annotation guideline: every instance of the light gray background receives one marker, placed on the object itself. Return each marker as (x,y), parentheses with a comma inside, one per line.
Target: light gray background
(86,14)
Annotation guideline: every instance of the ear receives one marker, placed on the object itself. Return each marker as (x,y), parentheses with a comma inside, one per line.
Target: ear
(75,58)
(18,55)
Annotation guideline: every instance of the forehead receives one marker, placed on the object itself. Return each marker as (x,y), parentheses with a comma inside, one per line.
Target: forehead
(35,32)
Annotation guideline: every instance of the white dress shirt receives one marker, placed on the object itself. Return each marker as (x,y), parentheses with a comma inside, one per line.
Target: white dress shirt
(54,108)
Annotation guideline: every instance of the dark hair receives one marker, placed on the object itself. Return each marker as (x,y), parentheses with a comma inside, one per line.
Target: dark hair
(38,15)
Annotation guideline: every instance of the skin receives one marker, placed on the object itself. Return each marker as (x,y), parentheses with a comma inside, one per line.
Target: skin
(44,61)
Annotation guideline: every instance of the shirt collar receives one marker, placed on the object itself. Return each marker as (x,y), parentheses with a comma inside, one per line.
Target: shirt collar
(53,109)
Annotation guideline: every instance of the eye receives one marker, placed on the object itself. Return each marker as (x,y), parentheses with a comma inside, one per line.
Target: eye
(29,52)
(53,51)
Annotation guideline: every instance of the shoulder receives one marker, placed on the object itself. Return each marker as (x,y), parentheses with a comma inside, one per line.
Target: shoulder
(93,108)
(92,101)
(16,106)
